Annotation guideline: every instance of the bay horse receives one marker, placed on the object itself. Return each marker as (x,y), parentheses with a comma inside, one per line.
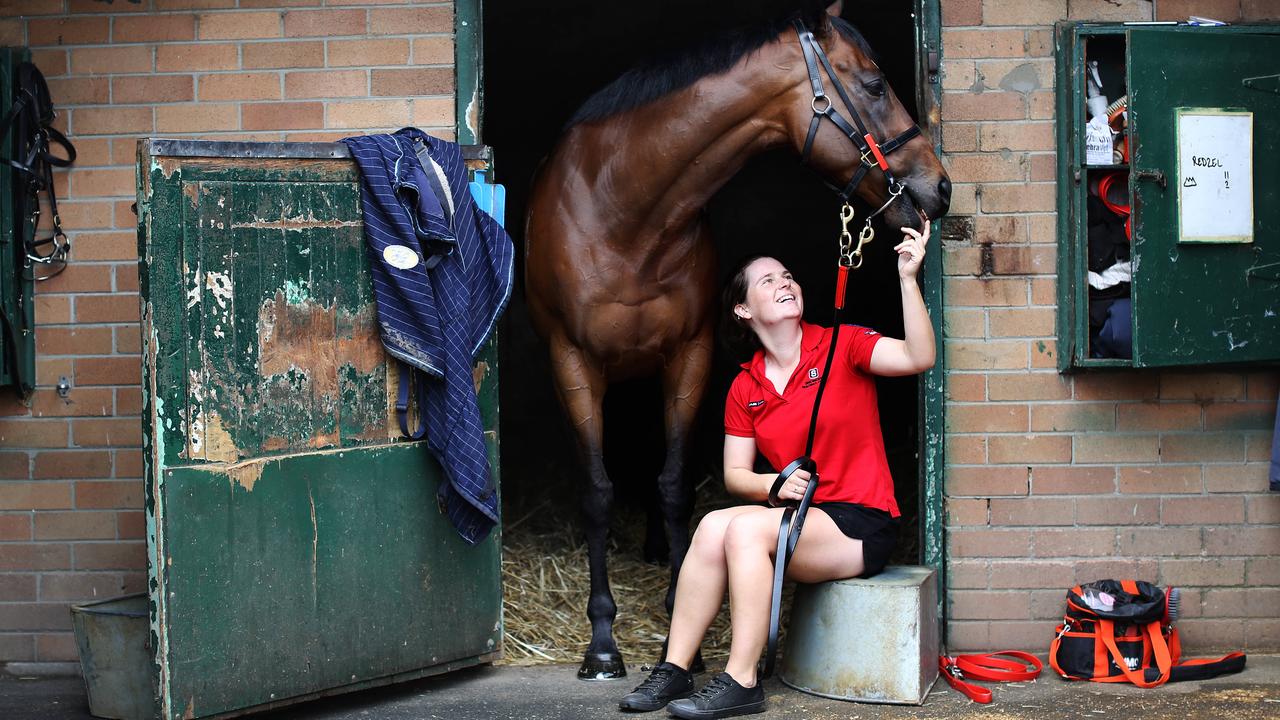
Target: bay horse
(620,269)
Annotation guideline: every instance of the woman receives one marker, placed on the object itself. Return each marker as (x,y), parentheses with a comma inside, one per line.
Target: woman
(852,525)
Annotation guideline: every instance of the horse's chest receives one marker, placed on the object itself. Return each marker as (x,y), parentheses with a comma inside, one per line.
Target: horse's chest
(639,336)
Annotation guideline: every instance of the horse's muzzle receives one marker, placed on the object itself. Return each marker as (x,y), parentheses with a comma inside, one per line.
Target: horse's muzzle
(931,197)
(944,197)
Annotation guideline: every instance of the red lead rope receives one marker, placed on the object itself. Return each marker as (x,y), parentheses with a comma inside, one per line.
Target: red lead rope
(987,667)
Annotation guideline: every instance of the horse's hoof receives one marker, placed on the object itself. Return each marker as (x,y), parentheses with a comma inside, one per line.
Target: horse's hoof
(602,666)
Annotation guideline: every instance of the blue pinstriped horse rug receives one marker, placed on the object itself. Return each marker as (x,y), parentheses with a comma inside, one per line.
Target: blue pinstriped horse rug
(442,274)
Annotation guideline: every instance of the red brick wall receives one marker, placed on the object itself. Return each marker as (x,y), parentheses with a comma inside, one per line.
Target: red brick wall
(1055,479)
(71,521)
(1050,479)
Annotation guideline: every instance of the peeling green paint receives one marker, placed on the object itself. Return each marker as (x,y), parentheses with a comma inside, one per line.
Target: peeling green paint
(275,483)
(296,293)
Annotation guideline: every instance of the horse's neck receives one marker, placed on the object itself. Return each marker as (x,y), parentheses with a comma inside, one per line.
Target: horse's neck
(687,145)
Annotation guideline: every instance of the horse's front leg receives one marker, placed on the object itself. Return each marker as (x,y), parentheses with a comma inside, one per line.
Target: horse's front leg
(684,381)
(581,387)
(602,661)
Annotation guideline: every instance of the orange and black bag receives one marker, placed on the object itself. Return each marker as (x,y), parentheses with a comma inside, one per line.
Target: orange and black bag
(1122,631)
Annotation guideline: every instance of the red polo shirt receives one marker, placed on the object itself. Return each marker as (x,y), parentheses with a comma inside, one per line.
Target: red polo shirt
(848,446)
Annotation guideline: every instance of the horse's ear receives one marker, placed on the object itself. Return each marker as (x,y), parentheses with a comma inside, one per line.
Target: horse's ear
(817,15)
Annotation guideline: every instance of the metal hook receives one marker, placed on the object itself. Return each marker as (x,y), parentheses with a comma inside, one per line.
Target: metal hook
(846,238)
(846,216)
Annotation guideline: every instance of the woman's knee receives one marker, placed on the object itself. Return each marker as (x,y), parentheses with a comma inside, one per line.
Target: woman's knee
(708,538)
(749,534)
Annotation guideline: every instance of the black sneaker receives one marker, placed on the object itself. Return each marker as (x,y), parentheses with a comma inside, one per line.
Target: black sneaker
(720,698)
(667,682)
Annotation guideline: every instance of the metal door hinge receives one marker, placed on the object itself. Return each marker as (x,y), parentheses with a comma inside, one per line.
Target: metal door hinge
(934,62)
(1263,83)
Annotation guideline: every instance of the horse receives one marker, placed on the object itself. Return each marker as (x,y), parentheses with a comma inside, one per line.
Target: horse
(620,269)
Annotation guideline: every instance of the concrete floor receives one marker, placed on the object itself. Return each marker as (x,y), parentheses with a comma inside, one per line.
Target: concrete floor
(553,693)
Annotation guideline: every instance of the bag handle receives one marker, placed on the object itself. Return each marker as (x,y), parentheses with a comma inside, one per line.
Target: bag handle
(1106,630)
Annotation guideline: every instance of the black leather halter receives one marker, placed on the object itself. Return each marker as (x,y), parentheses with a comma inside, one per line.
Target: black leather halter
(871,152)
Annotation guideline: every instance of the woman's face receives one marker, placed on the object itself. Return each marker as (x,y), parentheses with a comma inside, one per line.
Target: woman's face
(772,295)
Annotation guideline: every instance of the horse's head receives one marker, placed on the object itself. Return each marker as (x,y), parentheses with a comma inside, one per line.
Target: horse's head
(834,154)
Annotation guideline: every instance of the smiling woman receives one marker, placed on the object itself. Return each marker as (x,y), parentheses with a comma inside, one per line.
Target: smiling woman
(854,527)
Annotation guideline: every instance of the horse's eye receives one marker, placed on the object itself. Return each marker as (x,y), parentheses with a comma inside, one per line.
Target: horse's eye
(875,88)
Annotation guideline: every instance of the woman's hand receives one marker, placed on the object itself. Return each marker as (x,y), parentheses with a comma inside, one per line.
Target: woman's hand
(911,251)
(916,352)
(794,487)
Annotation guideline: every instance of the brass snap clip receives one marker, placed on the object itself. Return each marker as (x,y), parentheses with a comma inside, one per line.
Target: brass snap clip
(847,253)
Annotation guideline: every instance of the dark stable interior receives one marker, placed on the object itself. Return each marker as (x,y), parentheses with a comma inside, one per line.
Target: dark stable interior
(542,59)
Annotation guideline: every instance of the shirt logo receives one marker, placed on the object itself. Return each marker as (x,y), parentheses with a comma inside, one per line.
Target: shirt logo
(755,404)
(813,373)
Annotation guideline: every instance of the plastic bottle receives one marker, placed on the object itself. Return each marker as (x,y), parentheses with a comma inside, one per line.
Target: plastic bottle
(1095,100)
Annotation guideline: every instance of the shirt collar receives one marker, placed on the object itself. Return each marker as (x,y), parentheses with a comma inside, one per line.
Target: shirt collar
(810,339)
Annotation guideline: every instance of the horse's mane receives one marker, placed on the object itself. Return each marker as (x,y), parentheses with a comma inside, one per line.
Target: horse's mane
(664,74)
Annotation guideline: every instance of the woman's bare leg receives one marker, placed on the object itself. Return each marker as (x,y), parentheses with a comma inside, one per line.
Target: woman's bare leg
(700,589)
(823,553)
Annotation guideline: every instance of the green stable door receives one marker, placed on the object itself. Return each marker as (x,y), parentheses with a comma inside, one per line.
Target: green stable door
(295,544)
(17,284)
(1206,254)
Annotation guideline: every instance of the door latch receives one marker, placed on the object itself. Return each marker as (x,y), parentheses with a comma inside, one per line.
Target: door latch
(1154,175)
(1263,83)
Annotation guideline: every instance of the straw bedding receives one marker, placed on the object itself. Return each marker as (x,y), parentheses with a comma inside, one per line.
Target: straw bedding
(545,585)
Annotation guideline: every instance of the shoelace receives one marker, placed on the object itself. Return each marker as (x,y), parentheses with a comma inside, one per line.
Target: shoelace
(656,680)
(714,687)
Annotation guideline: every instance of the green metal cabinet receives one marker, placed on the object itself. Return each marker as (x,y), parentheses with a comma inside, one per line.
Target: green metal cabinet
(295,544)
(17,324)
(1194,303)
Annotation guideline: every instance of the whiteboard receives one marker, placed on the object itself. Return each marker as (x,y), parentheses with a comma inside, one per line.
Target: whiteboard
(1215,175)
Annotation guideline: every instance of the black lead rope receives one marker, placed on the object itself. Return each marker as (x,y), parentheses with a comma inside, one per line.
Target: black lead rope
(793,516)
(872,155)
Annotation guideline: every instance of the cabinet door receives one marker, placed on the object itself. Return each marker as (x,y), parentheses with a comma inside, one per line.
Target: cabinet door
(1200,303)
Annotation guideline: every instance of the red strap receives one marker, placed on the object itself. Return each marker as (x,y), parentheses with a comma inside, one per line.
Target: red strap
(1053,650)
(1106,630)
(988,667)
(842,280)
(875,150)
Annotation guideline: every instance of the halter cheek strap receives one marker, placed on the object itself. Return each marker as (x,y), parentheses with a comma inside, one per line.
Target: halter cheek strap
(872,154)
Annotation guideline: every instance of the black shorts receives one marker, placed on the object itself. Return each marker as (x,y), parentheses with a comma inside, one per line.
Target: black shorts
(877,530)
